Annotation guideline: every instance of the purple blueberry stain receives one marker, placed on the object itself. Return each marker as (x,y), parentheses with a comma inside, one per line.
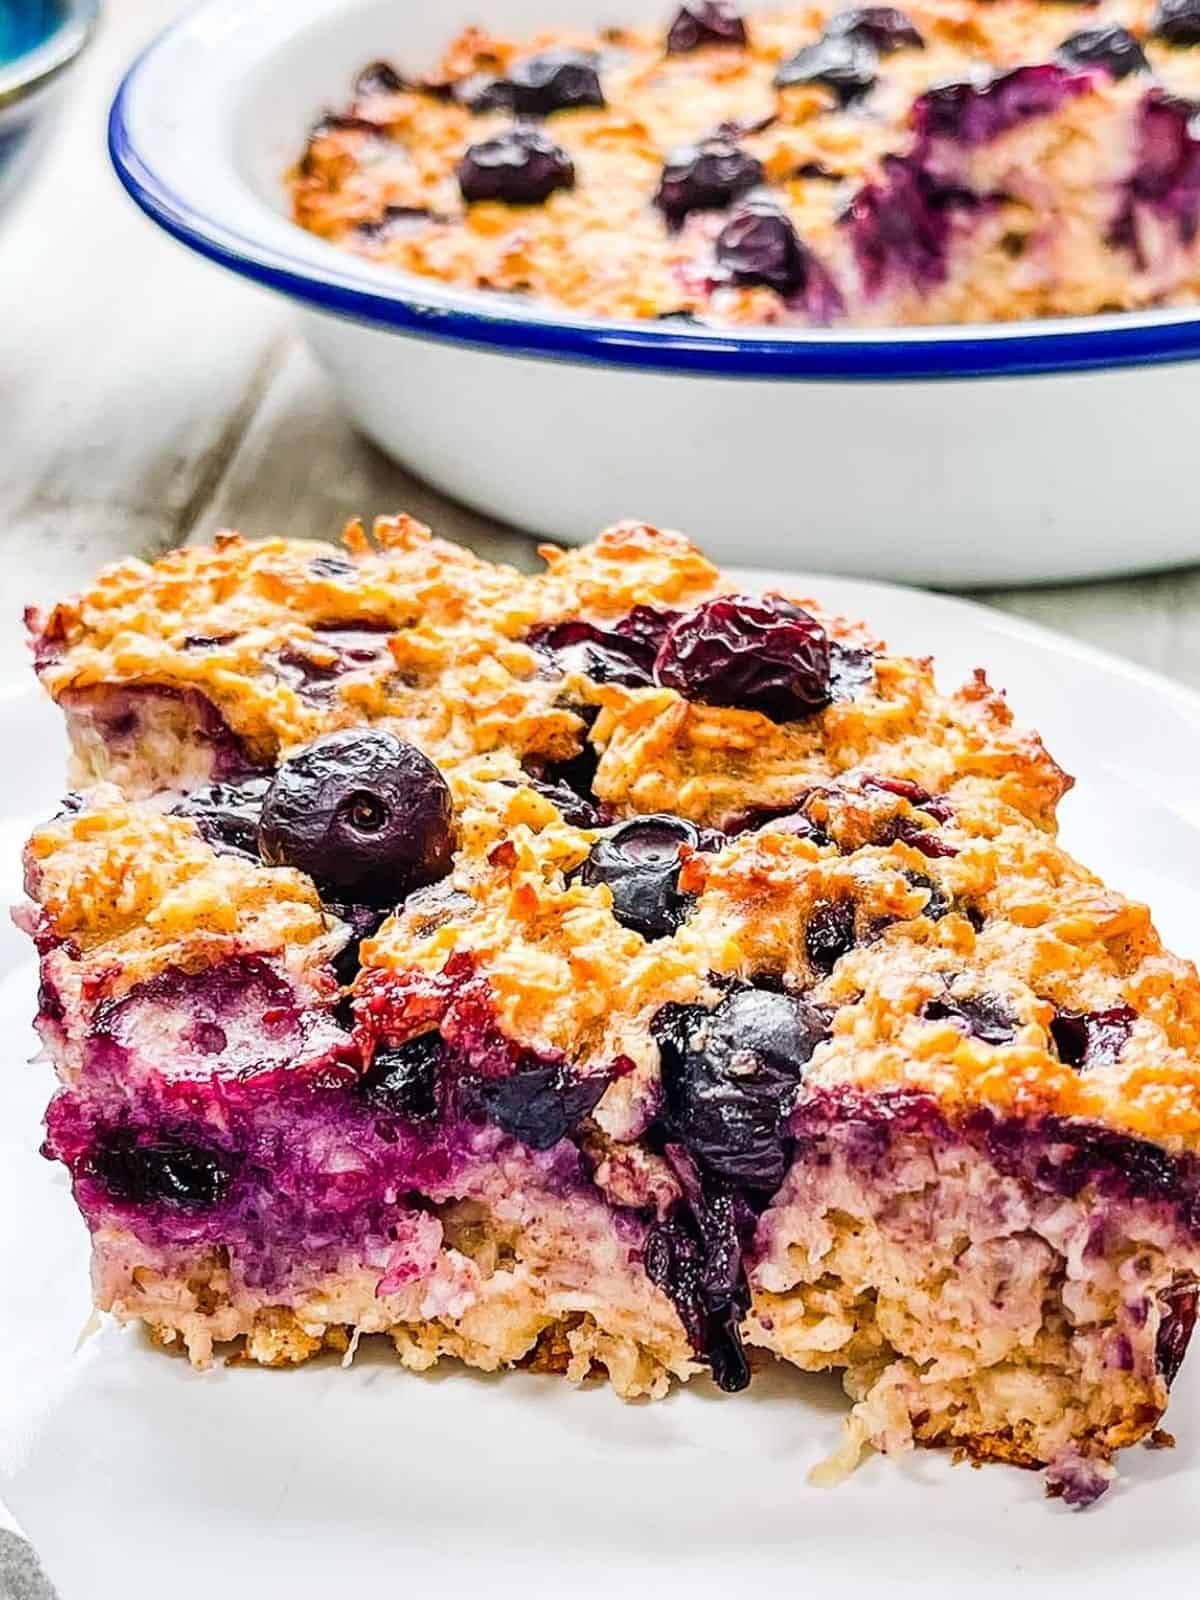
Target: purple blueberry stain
(521,166)
(974,112)
(901,224)
(1166,170)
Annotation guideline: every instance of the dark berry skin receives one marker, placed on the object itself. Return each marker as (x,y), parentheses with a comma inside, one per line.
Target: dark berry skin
(1179,1304)
(755,653)
(1176,22)
(705,22)
(974,113)
(538,1105)
(1110,46)
(167,1172)
(521,166)
(706,177)
(404,1081)
(845,63)
(984,1017)
(380,77)
(226,814)
(884,27)
(538,86)
(367,816)
(829,934)
(696,1258)
(760,246)
(621,653)
(1086,1039)
(640,863)
(731,1079)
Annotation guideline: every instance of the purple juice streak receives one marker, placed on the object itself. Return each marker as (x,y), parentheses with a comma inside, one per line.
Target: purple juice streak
(1166,172)
(973,114)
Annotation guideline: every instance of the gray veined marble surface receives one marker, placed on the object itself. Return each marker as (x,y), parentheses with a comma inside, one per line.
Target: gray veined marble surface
(147,399)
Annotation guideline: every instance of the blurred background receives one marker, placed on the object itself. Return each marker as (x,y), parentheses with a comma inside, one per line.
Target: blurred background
(147,399)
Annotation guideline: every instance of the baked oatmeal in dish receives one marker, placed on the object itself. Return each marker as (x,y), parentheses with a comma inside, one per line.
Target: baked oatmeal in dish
(603,971)
(953,161)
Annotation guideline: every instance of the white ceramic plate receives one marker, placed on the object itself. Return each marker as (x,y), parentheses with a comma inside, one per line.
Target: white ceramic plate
(134,1475)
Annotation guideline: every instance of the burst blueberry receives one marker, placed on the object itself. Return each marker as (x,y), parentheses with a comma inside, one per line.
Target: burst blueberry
(163,1171)
(706,177)
(555,80)
(537,1104)
(367,816)
(403,1080)
(830,933)
(755,653)
(1087,1039)
(986,1016)
(227,814)
(522,167)
(884,27)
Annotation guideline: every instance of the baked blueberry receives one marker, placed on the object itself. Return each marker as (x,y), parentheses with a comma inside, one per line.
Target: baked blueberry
(537,1104)
(538,86)
(732,1078)
(164,1171)
(846,63)
(1176,22)
(640,863)
(760,246)
(983,1016)
(367,816)
(706,177)
(830,933)
(520,166)
(884,27)
(403,1080)
(380,77)
(702,22)
(973,112)
(755,653)
(1086,1039)
(1109,46)
(226,814)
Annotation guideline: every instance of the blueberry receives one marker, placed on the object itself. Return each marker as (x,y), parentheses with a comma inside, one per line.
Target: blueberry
(759,245)
(1086,1039)
(846,63)
(555,80)
(165,1171)
(621,653)
(227,814)
(403,1081)
(364,922)
(640,863)
(1109,46)
(884,27)
(703,22)
(696,1258)
(939,903)
(538,1104)
(983,1016)
(1178,1319)
(830,933)
(706,177)
(1176,22)
(573,803)
(520,166)
(365,815)
(380,77)
(756,653)
(731,1078)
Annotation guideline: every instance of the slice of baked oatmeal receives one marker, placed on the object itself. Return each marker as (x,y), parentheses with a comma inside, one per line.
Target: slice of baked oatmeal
(603,969)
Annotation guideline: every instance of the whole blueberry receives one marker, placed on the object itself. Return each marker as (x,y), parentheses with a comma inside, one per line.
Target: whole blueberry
(754,653)
(759,245)
(1176,22)
(1109,46)
(367,816)
(706,177)
(538,1104)
(846,63)
(226,814)
(732,1081)
(554,80)
(640,863)
(702,22)
(520,166)
(403,1080)
(882,26)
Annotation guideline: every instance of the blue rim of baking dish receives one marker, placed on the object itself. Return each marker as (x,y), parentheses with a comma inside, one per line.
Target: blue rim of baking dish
(1126,339)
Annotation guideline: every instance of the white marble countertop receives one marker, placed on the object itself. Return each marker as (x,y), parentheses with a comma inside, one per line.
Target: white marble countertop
(146,399)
